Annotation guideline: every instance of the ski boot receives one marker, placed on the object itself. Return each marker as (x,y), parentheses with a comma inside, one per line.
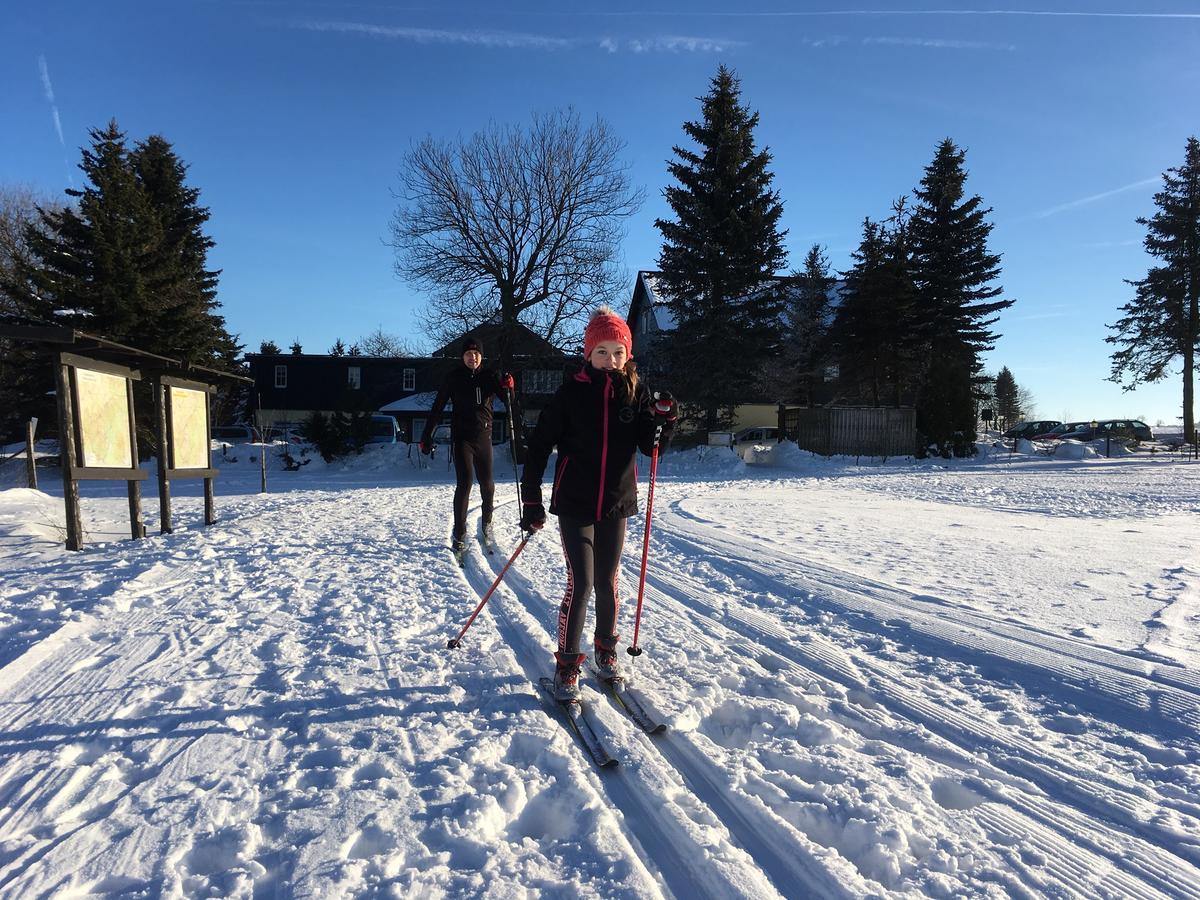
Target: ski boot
(605,658)
(458,547)
(566,676)
(488,538)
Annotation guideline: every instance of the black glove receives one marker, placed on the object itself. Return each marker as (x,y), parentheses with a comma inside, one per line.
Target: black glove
(533,514)
(666,410)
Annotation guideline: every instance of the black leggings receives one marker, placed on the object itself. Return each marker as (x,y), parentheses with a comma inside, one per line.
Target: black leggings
(593,552)
(472,458)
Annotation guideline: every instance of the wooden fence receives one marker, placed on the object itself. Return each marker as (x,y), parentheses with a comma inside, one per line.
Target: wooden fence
(851,431)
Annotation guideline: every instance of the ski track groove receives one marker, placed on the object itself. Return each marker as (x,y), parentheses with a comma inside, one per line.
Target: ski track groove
(659,854)
(1122,678)
(961,731)
(786,864)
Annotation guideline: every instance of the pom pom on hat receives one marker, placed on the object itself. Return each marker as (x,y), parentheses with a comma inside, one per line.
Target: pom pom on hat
(606,325)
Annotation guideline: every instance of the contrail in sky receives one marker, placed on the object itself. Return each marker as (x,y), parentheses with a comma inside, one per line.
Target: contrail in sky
(49,89)
(1045,213)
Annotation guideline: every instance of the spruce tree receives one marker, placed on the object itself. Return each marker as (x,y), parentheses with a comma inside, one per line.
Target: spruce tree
(269,348)
(1162,322)
(1008,403)
(873,330)
(955,303)
(719,256)
(808,322)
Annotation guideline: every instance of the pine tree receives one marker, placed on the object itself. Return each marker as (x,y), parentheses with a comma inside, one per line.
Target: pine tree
(955,304)
(1008,403)
(296,348)
(188,324)
(874,330)
(128,261)
(338,348)
(808,323)
(719,256)
(1162,322)
(269,348)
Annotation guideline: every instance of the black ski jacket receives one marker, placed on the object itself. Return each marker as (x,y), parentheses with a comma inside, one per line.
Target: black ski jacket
(471,391)
(598,430)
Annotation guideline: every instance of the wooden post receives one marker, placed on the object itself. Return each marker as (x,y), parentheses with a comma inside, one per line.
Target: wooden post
(164,462)
(136,528)
(210,512)
(30,461)
(66,443)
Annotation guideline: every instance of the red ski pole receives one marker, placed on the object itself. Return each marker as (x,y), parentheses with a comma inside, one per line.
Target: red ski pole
(455,642)
(634,649)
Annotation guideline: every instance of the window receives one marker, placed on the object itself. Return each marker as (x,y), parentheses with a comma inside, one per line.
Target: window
(354,377)
(541,381)
(281,376)
(410,379)
(832,373)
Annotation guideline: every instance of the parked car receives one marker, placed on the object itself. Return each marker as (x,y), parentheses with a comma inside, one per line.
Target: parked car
(759,434)
(1028,429)
(1058,431)
(236,434)
(1122,429)
(384,429)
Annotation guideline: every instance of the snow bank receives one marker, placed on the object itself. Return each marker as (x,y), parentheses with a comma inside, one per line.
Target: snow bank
(701,462)
(1074,450)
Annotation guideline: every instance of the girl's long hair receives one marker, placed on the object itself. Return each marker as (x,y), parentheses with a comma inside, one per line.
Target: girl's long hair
(629,376)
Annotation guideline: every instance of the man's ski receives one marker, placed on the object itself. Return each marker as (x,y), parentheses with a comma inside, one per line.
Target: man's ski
(578,720)
(631,703)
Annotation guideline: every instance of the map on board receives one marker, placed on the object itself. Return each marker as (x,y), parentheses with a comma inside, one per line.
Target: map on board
(189,428)
(103,420)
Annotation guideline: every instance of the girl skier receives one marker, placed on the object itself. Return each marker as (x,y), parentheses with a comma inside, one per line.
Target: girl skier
(471,389)
(598,420)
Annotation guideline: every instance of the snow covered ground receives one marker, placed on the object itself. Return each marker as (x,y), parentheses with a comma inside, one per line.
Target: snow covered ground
(975,679)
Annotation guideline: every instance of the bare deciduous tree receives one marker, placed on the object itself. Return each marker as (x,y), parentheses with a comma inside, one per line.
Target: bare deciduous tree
(18,211)
(381,343)
(516,224)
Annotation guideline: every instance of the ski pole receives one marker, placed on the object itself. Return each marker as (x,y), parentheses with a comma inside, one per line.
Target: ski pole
(634,649)
(455,642)
(512,443)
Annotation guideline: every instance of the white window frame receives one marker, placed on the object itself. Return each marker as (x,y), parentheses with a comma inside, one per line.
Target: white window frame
(354,377)
(541,381)
(281,376)
(410,379)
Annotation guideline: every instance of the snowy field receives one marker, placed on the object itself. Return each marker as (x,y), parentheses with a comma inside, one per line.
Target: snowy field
(977,679)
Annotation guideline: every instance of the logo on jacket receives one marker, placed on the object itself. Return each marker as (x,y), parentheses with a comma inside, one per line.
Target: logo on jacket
(626,414)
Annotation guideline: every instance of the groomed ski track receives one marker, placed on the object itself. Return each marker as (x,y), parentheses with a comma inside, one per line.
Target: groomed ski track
(270,710)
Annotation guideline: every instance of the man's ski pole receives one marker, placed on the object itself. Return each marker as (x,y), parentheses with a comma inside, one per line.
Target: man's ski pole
(512,438)
(457,641)
(634,649)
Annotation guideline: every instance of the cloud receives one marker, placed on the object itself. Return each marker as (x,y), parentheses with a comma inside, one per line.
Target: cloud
(937,43)
(510,40)
(48,88)
(1084,201)
(680,44)
(514,40)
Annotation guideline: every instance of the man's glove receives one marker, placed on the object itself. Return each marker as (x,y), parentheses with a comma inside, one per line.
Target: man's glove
(533,514)
(666,410)
(508,382)
(427,448)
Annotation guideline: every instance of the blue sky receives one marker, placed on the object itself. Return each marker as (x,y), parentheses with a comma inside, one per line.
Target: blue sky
(294,116)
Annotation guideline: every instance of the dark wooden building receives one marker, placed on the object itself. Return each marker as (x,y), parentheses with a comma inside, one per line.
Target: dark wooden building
(289,387)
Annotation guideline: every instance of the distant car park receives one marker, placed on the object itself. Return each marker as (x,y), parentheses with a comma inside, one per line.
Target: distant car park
(1028,429)
(1114,429)
(1058,431)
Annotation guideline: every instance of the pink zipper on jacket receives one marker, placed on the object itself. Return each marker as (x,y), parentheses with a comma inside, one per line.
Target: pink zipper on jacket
(604,449)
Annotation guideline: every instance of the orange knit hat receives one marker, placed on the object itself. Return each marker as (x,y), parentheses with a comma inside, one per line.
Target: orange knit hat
(606,325)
